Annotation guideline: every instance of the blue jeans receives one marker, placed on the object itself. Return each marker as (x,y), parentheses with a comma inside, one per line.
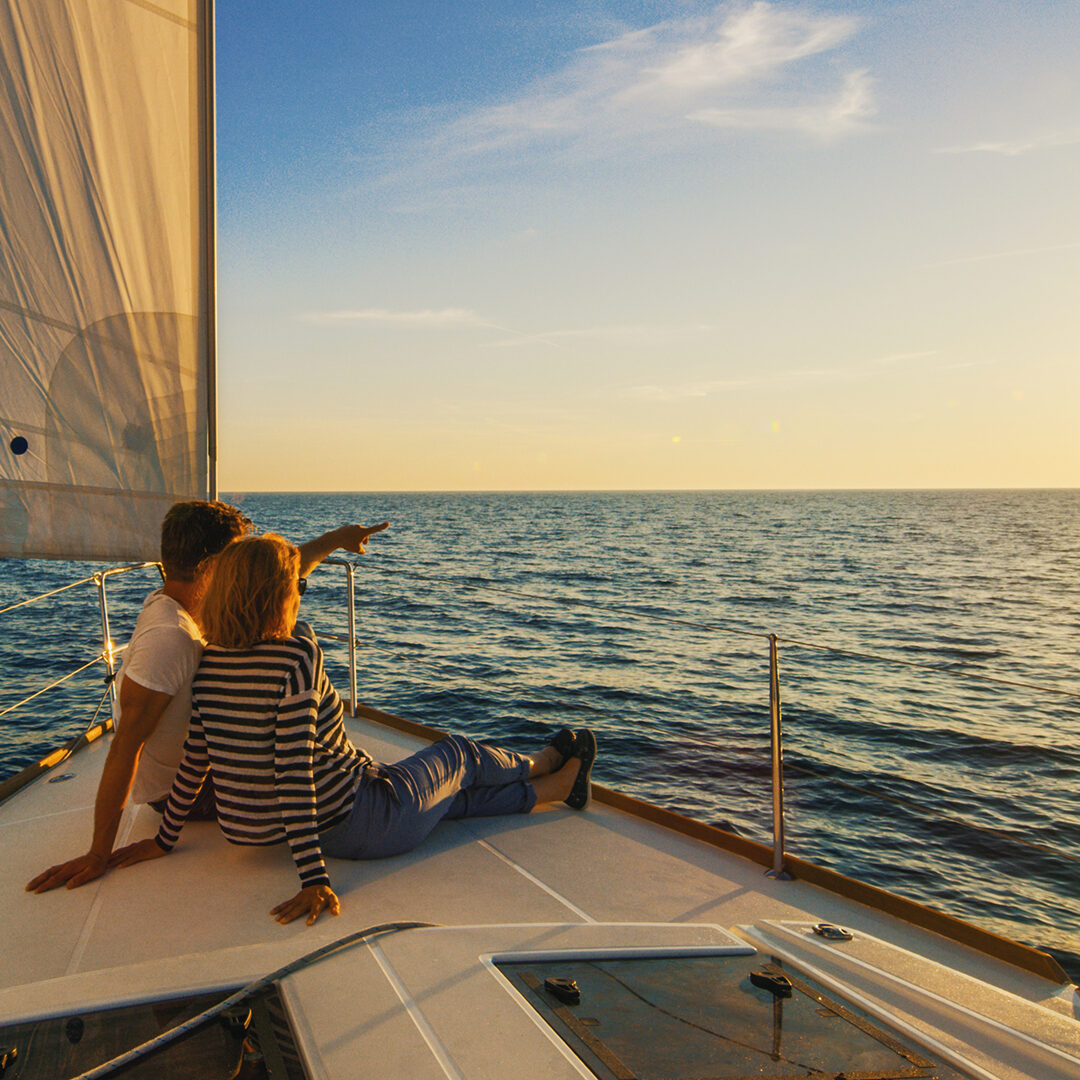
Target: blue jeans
(398,805)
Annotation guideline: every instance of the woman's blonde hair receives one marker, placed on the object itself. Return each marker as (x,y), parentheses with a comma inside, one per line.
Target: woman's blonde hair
(251,595)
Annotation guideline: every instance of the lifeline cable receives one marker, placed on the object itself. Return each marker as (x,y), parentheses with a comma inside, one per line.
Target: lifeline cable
(696,740)
(695,624)
(170,1036)
(74,744)
(51,686)
(75,584)
(44,595)
(921,809)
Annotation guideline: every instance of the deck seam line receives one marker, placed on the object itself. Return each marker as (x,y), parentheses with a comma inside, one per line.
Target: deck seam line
(79,950)
(420,1021)
(44,817)
(537,882)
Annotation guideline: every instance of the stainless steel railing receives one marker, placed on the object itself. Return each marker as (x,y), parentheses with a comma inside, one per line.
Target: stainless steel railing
(772,641)
(92,730)
(777,870)
(109,653)
(350,585)
(776,743)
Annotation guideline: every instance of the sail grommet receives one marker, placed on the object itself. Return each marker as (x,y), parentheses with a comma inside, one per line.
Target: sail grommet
(19,445)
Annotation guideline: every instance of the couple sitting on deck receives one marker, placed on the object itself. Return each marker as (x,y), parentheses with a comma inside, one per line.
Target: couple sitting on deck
(255,729)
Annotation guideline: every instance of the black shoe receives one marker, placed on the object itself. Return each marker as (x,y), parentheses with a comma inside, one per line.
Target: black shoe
(581,793)
(564,742)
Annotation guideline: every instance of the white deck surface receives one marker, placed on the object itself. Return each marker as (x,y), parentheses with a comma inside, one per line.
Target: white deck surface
(552,879)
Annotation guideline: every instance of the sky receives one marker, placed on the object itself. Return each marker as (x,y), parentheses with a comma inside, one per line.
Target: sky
(639,245)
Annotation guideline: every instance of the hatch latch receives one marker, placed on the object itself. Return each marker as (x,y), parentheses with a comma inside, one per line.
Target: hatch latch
(778,985)
(832,933)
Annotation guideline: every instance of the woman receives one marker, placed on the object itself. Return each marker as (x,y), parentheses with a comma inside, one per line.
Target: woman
(266,724)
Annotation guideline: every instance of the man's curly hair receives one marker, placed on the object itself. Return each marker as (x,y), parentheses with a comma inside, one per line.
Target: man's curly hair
(195,531)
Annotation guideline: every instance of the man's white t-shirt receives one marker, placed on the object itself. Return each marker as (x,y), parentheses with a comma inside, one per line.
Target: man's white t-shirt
(163,653)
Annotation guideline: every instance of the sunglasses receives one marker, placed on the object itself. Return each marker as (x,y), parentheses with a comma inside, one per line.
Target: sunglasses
(301,585)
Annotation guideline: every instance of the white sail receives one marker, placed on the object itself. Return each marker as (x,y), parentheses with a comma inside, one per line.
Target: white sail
(106,272)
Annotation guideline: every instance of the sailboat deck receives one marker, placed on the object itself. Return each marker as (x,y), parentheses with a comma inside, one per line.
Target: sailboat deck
(552,880)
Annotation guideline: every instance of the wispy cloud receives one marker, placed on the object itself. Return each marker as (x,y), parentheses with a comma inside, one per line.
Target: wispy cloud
(895,359)
(683,391)
(423,319)
(848,110)
(623,334)
(1010,254)
(428,317)
(790,376)
(1017,147)
(741,66)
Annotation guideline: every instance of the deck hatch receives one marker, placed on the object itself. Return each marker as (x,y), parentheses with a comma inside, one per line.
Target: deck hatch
(702,1017)
(257,1047)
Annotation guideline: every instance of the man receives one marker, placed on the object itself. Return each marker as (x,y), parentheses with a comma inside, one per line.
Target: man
(154,682)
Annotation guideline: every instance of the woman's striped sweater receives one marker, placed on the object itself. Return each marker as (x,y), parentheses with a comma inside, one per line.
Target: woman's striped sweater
(266,724)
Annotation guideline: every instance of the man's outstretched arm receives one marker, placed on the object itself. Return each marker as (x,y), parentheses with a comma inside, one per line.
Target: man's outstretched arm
(141,710)
(346,537)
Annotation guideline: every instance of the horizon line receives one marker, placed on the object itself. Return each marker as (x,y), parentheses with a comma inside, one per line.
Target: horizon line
(634,491)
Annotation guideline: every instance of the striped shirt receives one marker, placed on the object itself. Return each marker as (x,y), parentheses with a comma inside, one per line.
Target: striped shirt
(266,723)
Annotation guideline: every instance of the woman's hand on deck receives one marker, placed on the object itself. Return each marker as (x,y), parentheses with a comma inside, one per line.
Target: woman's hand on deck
(73,873)
(311,901)
(138,852)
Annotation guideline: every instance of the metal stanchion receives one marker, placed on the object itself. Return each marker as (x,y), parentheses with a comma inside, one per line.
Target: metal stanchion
(107,646)
(350,573)
(777,870)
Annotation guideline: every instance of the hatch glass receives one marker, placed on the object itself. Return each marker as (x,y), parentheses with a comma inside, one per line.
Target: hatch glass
(252,1041)
(705,1017)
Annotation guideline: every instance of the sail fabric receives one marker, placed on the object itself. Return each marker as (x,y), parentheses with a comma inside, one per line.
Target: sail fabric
(106,275)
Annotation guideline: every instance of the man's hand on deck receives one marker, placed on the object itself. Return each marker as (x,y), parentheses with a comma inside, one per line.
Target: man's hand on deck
(138,852)
(354,537)
(73,873)
(141,709)
(311,901)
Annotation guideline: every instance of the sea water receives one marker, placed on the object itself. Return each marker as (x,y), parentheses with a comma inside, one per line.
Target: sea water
(927,646)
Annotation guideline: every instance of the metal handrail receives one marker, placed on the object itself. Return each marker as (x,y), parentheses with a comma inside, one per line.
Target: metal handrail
(697,624)
(110,572)
(350,581)
(109,651)
(52,685)
(776,744)
(45,595)
(777,870)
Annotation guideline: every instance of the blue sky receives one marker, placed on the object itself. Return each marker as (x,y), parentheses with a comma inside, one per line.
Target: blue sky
(653,245)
